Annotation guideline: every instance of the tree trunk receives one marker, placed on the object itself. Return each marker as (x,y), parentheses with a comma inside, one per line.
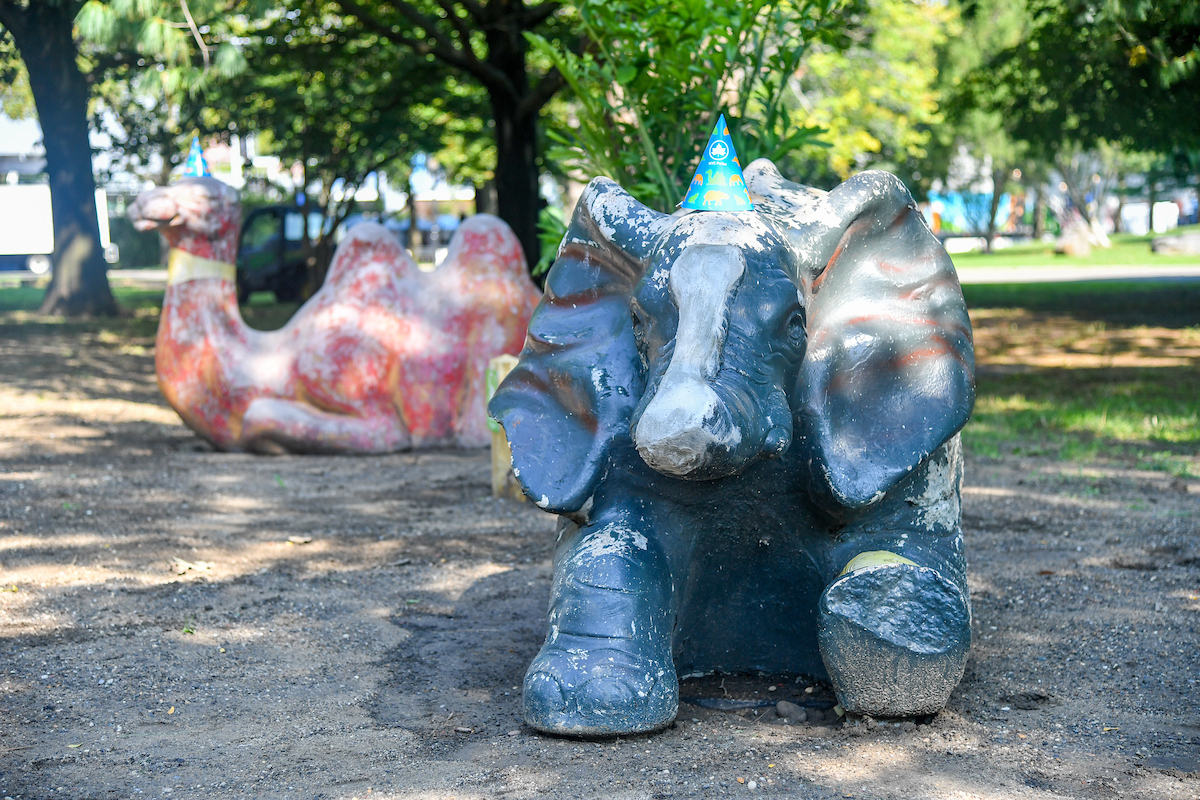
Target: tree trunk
(998,176)
(1152,198)
(485,198)
(517,176)
(503,72)
(516,141)
(1039,213)
(319,254)
(409,239)
(43,34)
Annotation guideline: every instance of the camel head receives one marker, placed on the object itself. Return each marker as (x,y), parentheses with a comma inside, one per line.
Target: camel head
(194,214)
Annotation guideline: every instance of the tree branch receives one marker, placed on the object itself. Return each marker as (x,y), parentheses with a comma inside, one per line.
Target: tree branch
(187,14)
(487,74)
(538,14)
(545,89)
(464,33)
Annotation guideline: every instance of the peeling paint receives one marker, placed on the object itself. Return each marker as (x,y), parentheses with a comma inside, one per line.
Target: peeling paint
(939,505)
(615,538)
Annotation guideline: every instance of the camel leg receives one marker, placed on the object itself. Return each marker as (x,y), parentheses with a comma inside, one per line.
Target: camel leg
(272,425)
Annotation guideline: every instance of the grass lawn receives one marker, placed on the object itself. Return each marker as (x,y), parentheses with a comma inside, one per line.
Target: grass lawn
(140,309)
(1126,250)
(1086,371)
(1151,416)
(1128,303)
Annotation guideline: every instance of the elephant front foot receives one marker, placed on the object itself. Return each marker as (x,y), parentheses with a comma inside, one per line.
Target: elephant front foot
(606,667)
(581,687)
(894,636)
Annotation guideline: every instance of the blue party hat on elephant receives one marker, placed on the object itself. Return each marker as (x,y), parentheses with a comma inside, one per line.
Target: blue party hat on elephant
(196,167)
(718,184)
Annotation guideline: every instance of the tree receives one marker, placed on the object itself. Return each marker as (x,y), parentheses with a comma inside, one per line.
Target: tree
(44,33)
(16,100)
(1164,172)
(976,145)
(654,77)
(339,102)
(68,47)
(1085,86)
(1122,71)
(149,132)
(334,100)
(152,61)
(877,97)
(483,41)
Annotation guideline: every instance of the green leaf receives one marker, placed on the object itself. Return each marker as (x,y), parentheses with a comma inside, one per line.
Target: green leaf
(552,227)
(229,61)
(96,21)
(656,78)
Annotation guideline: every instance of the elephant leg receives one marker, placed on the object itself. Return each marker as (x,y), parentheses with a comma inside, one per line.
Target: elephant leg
(894,627)
(273,425)
(606,667)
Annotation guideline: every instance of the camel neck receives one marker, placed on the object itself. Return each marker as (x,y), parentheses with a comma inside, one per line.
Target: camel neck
(183,266)
(200,292)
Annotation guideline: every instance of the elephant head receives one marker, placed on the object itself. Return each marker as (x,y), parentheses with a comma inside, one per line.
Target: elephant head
(829,326)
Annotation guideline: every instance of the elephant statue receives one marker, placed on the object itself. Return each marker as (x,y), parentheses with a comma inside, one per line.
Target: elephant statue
(747,423)
(383,357)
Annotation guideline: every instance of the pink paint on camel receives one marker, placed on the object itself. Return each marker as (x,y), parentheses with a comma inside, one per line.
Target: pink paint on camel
(384,357)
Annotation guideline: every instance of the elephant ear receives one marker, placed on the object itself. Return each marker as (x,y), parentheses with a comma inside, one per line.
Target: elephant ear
(580,375)
(889,374)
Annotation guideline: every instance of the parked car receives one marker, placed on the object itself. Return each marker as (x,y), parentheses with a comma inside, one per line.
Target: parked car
(271,253)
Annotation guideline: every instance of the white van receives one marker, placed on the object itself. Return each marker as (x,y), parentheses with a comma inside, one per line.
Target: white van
(27,227)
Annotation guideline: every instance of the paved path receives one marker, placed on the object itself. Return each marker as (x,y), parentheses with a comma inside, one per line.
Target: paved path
(1135,272)
(138,275)
(1175,272)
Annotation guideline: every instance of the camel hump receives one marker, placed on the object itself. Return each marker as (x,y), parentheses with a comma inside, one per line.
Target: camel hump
(484,247)
(369,246)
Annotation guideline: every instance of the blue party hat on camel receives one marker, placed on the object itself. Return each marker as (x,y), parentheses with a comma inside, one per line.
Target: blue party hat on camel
(196,167)
(718,184)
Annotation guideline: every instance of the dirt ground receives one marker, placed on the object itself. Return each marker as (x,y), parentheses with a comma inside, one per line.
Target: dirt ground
(177,622)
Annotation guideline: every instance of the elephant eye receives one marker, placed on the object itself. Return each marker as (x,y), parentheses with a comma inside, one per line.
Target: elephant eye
(636,317)
(795,326)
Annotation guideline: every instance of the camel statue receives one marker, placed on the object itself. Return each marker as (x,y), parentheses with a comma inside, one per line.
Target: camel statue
(384,357)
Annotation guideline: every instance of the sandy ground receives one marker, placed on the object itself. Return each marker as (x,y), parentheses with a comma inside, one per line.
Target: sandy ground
(182,623)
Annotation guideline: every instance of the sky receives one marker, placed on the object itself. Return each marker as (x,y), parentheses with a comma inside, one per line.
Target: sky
(19,136)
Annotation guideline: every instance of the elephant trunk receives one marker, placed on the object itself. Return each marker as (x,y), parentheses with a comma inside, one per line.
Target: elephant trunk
(701,421)
(684,425)
(702,430)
